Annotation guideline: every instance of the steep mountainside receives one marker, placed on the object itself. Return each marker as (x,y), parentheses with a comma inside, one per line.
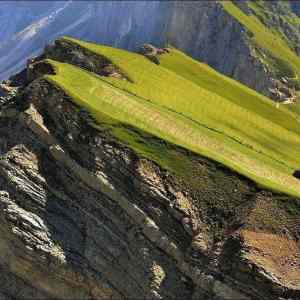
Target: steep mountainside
(120,180)
(16,16)
(230,37)
(255,42)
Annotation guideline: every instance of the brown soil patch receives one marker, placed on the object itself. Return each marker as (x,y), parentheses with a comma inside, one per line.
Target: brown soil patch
(277,255)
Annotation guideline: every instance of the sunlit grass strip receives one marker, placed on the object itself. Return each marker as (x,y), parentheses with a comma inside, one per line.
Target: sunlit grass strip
(208,78)
(101,98)
(265,129)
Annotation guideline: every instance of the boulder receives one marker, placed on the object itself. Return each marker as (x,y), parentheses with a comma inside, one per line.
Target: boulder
(276,95)
(152,53)
(285,90)
(296,174)
(284,80)
(160,51)
(6,90)
(148,49)
(110,71)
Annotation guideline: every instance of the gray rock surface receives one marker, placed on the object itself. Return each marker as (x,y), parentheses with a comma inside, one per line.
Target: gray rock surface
(212,36)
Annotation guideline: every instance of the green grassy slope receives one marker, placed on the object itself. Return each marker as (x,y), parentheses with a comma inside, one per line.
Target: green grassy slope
(171,91)
(295,108)
(191,106)
(287,62)
(224,86)
(277,20)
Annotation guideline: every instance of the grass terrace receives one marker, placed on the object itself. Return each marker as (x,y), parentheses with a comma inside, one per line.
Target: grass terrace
(186,103)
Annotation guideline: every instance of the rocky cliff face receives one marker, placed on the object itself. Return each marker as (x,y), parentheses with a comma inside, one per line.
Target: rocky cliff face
(281,16)
(208,33)
(84,217)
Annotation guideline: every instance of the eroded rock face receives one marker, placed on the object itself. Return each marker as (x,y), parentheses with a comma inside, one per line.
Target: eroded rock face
(7,92)
(208,33)
(65,51)
(84,217)
(71,239)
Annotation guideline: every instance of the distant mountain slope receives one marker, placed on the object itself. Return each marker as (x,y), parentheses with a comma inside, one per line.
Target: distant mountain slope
(15,16)
(206,30)
(126,24)
(225,34)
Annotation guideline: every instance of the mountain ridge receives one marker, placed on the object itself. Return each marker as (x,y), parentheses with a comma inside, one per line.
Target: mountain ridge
(132,170)
(86,199)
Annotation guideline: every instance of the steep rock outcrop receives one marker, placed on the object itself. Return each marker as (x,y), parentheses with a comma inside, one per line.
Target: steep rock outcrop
(210,34)
(64,51)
